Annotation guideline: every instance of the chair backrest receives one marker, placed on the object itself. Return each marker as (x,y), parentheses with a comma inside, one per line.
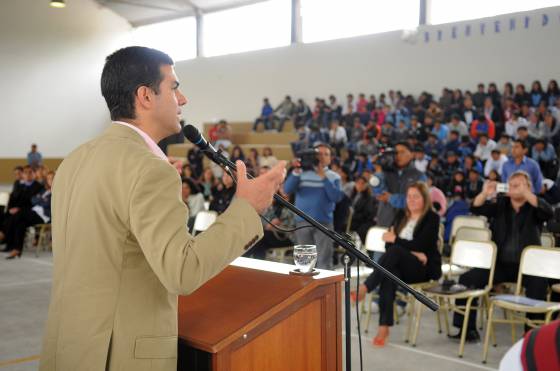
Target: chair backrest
(539,261)
(473,234)
(203,220)
(4,198)
(374,241)
(466,221)
(548,240)
(475,254)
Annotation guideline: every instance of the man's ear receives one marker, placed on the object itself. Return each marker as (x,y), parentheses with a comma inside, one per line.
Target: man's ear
(144,97)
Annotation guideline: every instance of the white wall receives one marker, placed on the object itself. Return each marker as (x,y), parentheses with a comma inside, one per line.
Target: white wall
(51,62)
(232,86)
(50,65)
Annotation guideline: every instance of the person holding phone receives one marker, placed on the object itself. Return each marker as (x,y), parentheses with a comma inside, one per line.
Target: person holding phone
(516,216)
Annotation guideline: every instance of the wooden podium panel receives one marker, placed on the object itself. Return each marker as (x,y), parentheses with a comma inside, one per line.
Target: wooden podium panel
(256,316)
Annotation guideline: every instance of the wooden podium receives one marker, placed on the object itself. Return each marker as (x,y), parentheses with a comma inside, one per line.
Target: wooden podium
(255,316)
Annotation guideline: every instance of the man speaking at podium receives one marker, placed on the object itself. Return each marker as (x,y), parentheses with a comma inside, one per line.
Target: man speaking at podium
(122,252)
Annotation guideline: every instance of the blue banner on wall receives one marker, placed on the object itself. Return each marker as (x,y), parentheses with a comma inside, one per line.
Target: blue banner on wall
(491,27)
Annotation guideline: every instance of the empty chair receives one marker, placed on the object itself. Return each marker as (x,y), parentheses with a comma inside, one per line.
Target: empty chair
(473,234)
(466,221)
(536,261)
(4,198)
(203,220)
(470,234)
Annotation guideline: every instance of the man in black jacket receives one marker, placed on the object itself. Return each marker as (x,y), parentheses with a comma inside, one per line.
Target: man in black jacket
(516,219)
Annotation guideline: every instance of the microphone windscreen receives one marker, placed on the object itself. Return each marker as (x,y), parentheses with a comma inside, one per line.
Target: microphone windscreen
(192,134)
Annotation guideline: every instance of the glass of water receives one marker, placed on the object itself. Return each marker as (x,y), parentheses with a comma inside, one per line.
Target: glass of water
(305,257)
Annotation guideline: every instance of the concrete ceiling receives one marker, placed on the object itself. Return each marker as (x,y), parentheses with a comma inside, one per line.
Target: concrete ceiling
(143,12)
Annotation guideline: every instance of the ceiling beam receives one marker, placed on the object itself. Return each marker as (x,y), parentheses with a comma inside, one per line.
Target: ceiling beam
(139,5)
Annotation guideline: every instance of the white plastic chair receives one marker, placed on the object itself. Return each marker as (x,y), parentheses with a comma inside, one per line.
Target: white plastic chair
(203,220)
(4,198)
(469,234)
(374,240)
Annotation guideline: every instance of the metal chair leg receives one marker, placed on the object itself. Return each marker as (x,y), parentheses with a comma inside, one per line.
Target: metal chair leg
(464,330)
(489,329)
(513,329)
(445,305)
(410,310)
(417,323)
(368,314)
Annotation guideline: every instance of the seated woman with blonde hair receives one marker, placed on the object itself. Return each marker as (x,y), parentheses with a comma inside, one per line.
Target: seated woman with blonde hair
(411,254)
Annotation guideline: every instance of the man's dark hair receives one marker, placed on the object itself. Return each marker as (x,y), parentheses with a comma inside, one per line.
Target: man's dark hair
(20,168)
(325,145)
(404,144)
(124,72)
(522,142)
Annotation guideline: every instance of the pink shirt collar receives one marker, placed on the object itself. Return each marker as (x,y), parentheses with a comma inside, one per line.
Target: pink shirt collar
(149,141)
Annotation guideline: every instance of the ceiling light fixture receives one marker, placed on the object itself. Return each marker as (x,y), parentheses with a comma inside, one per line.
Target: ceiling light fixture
(57,3)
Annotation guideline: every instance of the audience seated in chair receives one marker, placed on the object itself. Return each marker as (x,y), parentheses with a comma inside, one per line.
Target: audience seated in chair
(516,219)
(411,254)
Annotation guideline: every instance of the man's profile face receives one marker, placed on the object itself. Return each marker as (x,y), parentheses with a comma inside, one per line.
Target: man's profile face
(168,102)
(324,156)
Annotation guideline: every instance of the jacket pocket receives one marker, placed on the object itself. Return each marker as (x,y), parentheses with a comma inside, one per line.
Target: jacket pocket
(160,347)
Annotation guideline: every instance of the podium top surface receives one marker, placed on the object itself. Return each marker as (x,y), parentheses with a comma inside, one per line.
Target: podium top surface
(243,296)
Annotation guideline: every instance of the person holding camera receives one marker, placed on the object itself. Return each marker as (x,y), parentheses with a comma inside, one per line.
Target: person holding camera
(396,180)
(317,190)
(516,220)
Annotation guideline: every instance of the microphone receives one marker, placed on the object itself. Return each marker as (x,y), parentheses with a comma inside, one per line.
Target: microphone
(195,137)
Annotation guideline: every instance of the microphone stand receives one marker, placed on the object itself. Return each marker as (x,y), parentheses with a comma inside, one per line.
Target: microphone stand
(343,241)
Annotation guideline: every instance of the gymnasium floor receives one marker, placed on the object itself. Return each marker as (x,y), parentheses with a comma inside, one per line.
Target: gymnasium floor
(25,287)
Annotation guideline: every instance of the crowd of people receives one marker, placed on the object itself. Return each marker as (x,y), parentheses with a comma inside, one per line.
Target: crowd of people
(409,163)
(29,203)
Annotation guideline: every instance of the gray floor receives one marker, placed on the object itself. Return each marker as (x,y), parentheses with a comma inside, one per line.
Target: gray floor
(24,293)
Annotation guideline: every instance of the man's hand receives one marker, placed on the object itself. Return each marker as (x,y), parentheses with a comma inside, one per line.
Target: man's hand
(13,210)
(259,191)
(384,197)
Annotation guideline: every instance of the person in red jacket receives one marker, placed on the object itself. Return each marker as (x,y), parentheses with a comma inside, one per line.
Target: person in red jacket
(483,125)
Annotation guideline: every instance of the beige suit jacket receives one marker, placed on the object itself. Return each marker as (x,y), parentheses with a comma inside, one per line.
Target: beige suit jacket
(122,254)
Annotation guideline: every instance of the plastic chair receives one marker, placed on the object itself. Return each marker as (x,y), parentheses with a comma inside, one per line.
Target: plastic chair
(536,261)
(470,234)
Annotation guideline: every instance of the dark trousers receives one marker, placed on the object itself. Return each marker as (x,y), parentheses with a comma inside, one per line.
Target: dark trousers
(15,227)
(535,288)
(402,264)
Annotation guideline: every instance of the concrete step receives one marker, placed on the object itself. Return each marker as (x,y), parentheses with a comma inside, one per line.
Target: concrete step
(246,127)
(281,151)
